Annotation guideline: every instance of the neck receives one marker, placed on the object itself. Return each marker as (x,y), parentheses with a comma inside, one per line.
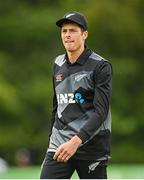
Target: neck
(73,55)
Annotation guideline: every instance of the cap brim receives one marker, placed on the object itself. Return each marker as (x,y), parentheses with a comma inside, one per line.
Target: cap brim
(60,22)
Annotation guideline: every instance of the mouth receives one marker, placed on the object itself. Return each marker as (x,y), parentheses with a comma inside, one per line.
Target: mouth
(69,42)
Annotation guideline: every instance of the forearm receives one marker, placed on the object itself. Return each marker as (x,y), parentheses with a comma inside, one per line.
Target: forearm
(92,126)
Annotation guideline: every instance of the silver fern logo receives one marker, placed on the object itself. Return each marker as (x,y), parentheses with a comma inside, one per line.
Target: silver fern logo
(93,166)
(79,77)
(71,14)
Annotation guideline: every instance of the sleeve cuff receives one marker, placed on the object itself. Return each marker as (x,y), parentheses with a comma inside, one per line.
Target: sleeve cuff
(82,135)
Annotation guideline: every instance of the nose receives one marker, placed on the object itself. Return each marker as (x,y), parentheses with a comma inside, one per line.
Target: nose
(67,34)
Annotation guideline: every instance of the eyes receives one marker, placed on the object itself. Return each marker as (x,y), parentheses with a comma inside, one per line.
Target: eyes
(64,31)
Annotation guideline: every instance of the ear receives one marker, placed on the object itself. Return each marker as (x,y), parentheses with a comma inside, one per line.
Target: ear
(85,35)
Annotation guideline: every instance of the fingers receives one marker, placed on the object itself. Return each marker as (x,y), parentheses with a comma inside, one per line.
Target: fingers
(57,154)
(66,158)
(61,156)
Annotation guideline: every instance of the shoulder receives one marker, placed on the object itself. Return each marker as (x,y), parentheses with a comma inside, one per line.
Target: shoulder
(95,57)
(101,64)
(60,60)
(99,60)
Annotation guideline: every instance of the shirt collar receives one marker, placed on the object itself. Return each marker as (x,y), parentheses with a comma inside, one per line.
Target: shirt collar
(81,59)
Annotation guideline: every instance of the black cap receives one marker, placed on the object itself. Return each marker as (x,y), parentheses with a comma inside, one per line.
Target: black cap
(75,17)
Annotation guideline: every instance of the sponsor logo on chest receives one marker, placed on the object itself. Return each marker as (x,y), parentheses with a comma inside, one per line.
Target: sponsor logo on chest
(66,98)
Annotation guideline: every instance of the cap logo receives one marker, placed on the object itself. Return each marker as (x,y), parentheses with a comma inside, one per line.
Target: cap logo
(70,15)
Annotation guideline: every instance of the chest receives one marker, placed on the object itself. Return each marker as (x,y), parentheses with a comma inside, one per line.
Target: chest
(70,78)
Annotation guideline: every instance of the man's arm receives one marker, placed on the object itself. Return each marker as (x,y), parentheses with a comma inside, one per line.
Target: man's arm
(101,102)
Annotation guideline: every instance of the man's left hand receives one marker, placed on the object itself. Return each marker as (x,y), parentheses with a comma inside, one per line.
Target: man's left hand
(66,150)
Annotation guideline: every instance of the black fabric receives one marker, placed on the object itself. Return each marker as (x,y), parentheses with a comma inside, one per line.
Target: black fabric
(96,148)
(86,169)
(55,170)
(95,88)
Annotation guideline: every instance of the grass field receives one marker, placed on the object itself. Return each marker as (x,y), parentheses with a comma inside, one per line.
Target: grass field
(114,172)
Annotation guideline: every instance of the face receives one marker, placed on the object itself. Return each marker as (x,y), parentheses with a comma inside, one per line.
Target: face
(73,37)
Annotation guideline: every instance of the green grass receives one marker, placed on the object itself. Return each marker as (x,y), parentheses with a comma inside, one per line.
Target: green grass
(114,172)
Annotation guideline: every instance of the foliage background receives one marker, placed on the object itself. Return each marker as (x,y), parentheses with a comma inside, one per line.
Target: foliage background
(29,41)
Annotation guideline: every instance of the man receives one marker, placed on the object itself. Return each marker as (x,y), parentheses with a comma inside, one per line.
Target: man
(81,118)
